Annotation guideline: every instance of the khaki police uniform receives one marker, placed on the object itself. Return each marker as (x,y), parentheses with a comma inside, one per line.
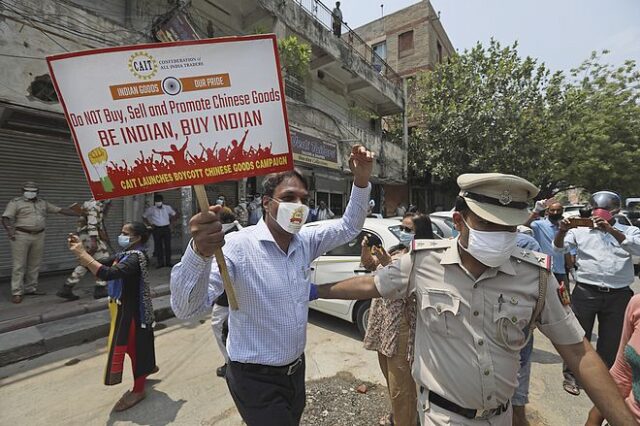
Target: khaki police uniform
(469,331)
(465,326)
(29,218)
(94,213)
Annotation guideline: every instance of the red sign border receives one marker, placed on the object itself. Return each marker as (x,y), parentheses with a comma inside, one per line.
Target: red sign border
(272,37)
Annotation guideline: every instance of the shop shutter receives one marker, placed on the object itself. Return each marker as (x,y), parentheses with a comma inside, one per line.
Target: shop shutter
(54,165)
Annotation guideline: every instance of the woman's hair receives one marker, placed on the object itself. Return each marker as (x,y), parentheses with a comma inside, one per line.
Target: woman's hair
(422,226)
(398,247)
(140,230)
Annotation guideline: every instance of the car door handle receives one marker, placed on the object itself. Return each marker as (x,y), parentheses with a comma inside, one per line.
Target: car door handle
(312,268)
(361,271)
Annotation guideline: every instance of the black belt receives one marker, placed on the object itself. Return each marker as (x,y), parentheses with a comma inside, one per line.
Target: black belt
(469,413)
(602,289)
(26,231)
(160,227)
(285,370)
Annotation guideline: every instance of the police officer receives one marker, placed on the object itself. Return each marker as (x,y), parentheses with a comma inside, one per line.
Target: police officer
(476,294)
(91,232)
(28,213)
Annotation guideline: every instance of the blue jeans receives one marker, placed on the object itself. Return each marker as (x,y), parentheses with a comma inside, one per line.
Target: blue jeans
(521,394)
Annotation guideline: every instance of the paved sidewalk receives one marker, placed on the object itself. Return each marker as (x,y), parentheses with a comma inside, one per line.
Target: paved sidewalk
(42,324)
(40,309)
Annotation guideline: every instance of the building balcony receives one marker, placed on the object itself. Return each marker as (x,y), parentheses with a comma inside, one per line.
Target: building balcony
(346,60)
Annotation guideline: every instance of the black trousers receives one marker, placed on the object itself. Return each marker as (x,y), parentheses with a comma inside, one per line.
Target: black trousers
(587,303)
(162,244)
(265,399)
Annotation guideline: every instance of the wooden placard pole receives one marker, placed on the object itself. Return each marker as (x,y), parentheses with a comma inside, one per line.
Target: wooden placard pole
(203,203)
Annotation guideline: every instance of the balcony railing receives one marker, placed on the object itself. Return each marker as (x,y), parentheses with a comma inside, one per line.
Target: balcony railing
(324,16)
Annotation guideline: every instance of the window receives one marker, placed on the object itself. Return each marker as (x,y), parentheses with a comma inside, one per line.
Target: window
(335,204)
(354,247)
(42,88)
(439,47)
(379,55)
(405,44)
(333,201)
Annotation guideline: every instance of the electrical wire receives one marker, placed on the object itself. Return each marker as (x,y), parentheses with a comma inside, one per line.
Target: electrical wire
(26,14)
(21,56)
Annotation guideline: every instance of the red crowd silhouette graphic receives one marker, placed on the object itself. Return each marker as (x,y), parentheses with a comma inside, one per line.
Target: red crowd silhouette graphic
(179,159)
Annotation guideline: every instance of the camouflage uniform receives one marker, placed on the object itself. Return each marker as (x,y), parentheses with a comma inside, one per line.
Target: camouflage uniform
(89,227)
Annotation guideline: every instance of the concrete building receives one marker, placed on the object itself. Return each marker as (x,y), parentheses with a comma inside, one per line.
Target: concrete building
(337,103)
(411,40)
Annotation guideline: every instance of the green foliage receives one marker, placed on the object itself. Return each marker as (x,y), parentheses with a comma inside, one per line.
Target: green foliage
(595,130)
(260,29)
(489,110)
(294,56)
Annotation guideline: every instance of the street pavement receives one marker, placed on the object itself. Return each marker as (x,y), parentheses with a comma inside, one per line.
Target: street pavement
(65,387)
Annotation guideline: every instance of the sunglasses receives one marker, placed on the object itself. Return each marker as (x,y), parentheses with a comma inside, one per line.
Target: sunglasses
(406,229)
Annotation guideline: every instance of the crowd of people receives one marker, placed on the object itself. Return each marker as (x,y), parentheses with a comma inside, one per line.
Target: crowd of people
(458,313)
(452,320)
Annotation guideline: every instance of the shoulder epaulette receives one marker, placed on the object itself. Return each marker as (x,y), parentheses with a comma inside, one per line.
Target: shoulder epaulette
(533,257)
(430,244)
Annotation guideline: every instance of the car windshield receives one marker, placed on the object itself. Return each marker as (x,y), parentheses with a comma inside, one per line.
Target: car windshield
(399,232)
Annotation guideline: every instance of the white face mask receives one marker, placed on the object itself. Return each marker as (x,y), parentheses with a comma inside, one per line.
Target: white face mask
(30,195)
(491,248)
(158,204)
(291,216)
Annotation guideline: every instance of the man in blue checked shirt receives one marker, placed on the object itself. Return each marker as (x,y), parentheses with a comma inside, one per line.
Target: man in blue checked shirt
(269,265)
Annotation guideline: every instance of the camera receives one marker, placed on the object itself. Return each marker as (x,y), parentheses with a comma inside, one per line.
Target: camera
(575,222)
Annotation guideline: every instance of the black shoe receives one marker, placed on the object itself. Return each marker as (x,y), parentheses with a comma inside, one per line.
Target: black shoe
(100,292)
(35,293)
(221,371)
(66,292)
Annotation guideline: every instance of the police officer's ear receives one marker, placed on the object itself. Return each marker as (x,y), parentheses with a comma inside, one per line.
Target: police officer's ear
(457,221)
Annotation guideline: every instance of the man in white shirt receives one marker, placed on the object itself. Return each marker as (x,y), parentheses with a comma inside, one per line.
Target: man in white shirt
(160,217)
(324,212)
(269,265)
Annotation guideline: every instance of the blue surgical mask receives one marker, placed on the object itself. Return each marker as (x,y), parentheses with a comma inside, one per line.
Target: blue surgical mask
(124,240)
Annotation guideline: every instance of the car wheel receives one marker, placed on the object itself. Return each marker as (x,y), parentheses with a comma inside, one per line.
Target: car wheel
(361,316)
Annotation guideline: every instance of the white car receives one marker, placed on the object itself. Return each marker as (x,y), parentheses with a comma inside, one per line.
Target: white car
(343,262)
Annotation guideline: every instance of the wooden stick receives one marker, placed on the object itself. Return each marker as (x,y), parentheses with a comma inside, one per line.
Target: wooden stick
(203,202)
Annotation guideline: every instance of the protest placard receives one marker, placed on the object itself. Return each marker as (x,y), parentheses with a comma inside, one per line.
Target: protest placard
(151,117)
(156,116)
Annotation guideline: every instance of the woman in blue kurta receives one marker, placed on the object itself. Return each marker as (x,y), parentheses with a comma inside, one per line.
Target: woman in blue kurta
(131,330)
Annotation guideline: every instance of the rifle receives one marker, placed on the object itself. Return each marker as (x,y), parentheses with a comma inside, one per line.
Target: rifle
(102,232)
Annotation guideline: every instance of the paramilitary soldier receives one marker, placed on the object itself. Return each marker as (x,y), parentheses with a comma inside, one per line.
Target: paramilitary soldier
(476,293)
(92,233)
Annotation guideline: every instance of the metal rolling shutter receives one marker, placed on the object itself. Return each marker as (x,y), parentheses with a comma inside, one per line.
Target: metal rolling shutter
(54,165)
(227,188)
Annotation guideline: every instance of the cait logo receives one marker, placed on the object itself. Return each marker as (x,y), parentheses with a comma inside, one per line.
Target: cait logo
(143,65)
(297,216)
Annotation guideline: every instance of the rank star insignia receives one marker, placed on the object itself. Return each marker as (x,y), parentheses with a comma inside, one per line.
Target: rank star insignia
(505,198)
